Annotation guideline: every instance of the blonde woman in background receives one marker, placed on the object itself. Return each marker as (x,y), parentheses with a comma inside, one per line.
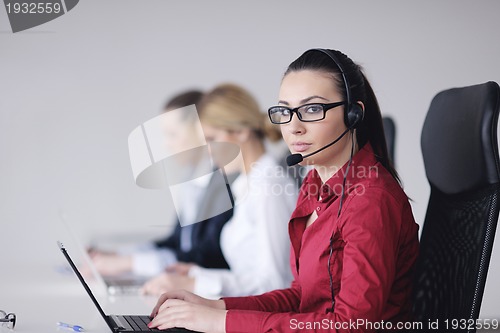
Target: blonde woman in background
(255,240)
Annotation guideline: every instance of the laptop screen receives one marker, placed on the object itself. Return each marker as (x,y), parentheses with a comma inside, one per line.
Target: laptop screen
(80,277)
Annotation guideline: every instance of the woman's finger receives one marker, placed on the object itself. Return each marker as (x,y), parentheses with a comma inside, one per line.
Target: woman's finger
(160,301)
(174,294)
(170,313)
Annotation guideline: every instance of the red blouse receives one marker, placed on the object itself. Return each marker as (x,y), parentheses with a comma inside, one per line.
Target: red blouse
(375,245)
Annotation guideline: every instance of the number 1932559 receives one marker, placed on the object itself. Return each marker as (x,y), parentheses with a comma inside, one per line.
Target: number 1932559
(33,8)
(471,324)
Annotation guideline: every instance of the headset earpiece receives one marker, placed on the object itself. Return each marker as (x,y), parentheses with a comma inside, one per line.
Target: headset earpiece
(353,112)
(354,115)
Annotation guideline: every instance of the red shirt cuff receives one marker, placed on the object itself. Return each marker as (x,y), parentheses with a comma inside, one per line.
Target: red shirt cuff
(234,302)
(244,321)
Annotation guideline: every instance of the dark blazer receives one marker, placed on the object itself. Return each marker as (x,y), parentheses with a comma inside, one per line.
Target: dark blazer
(205,236)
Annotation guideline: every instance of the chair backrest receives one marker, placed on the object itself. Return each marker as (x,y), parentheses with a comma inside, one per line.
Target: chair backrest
(460,150)
(390,135)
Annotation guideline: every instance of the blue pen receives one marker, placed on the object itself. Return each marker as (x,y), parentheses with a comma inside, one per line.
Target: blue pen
(75,328)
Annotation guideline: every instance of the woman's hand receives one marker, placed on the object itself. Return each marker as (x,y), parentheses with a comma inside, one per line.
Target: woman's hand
(181,268)
(187,296)
(167,282)
(194,316)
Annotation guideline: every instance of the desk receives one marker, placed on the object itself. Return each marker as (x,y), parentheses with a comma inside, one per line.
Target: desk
(40,296)
(32,286)
(52,297)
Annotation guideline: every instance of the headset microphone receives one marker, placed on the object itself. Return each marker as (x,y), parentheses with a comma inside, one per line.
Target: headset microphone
(293,159)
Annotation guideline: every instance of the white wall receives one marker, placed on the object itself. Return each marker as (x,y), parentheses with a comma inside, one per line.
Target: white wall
(72,90)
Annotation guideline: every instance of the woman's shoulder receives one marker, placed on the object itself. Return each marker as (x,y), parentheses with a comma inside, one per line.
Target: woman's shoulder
(378,203)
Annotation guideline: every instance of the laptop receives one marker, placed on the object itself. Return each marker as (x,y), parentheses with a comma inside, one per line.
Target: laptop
(122,284)
(118,323)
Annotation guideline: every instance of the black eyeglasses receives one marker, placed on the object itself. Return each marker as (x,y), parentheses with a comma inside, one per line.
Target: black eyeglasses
(308,112)
(8,319)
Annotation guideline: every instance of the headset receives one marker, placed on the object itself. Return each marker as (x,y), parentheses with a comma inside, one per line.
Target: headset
(353,112)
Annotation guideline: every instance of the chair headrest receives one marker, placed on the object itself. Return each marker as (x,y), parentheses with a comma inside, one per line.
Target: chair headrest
(459,138)
(390,135)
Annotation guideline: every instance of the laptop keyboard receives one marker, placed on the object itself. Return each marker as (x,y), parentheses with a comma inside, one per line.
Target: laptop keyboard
(139,323)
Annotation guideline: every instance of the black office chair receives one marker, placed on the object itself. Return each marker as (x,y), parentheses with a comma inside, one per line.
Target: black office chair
(390,135)
(460,150)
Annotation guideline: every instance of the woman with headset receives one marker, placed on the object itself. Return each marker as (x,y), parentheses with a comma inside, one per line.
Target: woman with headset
(354,239)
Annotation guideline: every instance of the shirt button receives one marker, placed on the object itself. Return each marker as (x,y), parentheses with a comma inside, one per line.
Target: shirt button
(318,209)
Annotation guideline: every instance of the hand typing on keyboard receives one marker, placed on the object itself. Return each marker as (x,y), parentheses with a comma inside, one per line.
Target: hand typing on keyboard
(181,308)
